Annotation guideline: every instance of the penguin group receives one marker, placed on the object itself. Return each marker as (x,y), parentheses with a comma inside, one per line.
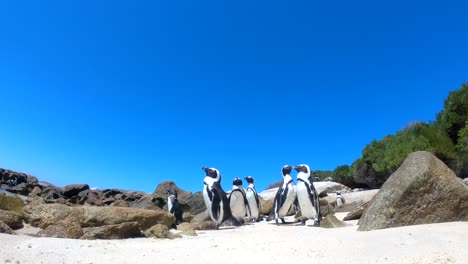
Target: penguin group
(241,205)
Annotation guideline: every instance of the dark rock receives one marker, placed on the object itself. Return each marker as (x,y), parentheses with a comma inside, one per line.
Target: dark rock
(117,231)
(163,189)
(74,189)
(51,194)
(4,228)
(12,219)
(21,188)
(11,203)
(330,221)
(146,202)
(91,197)
(422,191)
(32,180)
(62,229)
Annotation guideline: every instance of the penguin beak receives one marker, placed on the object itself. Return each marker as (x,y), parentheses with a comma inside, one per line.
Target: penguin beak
(205,169)
(295,168)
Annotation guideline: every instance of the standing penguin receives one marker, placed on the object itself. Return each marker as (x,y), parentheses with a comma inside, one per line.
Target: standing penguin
(285,196)
(215,197)
(238,201)
(252,198)
(173,206)
(307,195)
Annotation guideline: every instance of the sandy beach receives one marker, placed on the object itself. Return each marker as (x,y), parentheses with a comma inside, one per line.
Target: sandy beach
(262,242)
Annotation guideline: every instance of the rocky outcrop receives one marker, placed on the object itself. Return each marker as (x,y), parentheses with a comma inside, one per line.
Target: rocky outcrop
(11,218)
(44,215)
(117,231)
(423,190)
(11,203)
(4,228)
(62,229)
(74,189)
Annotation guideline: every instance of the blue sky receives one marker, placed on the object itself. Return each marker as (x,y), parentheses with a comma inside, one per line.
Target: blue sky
(127,94)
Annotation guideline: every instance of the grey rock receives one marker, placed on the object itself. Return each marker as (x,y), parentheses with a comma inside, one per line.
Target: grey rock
(74,189)
(117,231)
(422,191)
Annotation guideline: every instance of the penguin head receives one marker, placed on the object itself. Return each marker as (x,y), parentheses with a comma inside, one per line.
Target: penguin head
(212,173)
(287,170)
(304,168)
(237,182)
(249,179)
(173,192)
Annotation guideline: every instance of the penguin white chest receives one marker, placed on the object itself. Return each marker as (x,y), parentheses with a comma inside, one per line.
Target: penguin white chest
(237,205)
(307,208)
(253,203)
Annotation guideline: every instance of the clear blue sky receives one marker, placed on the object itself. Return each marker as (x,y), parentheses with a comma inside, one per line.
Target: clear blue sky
(127,94)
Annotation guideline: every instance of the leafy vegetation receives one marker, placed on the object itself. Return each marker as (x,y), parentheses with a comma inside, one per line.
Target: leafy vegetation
(447,138)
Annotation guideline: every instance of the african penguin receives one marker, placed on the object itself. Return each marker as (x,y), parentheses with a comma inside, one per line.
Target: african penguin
(252,198)
(339,199)
(285,196)
(215,198)
(238,201)
(307,195)
(173,206)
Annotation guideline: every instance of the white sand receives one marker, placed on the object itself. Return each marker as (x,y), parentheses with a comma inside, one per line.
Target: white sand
(258,243)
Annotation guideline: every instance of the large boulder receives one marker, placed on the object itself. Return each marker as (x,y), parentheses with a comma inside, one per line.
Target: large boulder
(62,229)
(11,203)
(43,215)
(330,187)
(196,203)
(74,189)
(117,231)
(12,219)
(98,216)
(423,190)
(161,192)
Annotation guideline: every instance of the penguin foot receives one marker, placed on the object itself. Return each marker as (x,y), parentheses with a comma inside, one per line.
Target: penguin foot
(303,222)
(276,221)
(317,223)
(282,221)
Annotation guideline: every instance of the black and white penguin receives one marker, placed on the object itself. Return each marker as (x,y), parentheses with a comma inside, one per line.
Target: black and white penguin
(173,206)
(238,201)
(215,198)
(252,198)
(285,196)
(307,195)
(339,199)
